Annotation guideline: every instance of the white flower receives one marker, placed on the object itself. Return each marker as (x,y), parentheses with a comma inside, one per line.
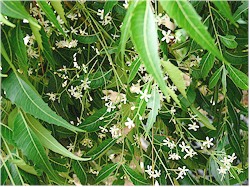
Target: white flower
(184,147)
(182,172)
(30,71)
(32,53)
(193,126)
(168,143)
(103,129)
(110,106)
(85,83)
(52,96)
(232,158)
(190,153)
(151,173)
(222,170)
(145,95)
(100,13)
(70,147)
(208,143)
(135,88)
(105,98)
(115,131)
(172,110)
(87,143)
(174,156)
(130,124)
(167,36)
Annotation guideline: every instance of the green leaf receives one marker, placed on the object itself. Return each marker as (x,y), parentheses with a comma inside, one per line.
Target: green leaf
(203,119)
(136,178)
(6,22)
(25,167)
(37,35)
(239,78)
(88,39)
(48,141)
(80,171)
(176,76)
(229,41)
(48,53)
(102,148)
(50,15)
(236,58)
(7,133)
(99,78)
(24,95)
(186,17)
(155,105)
(134,69)
(215,78)
(207,63)
(92,123)
(213,166)
(20,48)
(224,81)
(108,6)
(31,147)
(234,140)
(144,37)
(57,5)
(106,171)
(242,8)
(225,10)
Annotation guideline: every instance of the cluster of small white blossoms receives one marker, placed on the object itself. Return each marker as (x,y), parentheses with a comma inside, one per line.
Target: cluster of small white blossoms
(105,19)
(113,98)
(86,142)
(29,42)
(152,173)
(226,164)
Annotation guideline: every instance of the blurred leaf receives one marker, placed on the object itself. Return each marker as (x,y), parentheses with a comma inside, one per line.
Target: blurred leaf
(31,147)
(186,17)
(88,39)
(154,105)
(22,165)
(99,78)
(106,171)
(134,69)
(108,6)
(215,78)
(50,15)
(229,41)
(48,141)
(225,10)
(92,123)
(7,133)
(239,78)
(26,97)
(236,58)
(242,8)
(6,22)
(80,171)
(102,148)
(136,178)
(144,37)
(20,48)
(176,76)
(207,63)
(57,5)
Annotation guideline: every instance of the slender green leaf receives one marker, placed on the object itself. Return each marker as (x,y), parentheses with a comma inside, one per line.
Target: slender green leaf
(93,122)
(102,148)
(88,39)
(225,10)
(7,133)
(203,119)
(50,15)
(19,48)
(236,58)
(24,166)
(176,76)
(31,147)
(144,37)
(242,8)
(136,178)
(57,5)
(229,41)
(6,22)
(187,18)
(134,69)
(23,95)
(99,78)
(37,34)
(106,171)
(207,63)
(154,104)
(80,171)
(215,78)
(224,81)
(239,78)
(108,6)
(48,141)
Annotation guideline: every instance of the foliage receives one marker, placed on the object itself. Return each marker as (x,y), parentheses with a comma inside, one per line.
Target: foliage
(122,93)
